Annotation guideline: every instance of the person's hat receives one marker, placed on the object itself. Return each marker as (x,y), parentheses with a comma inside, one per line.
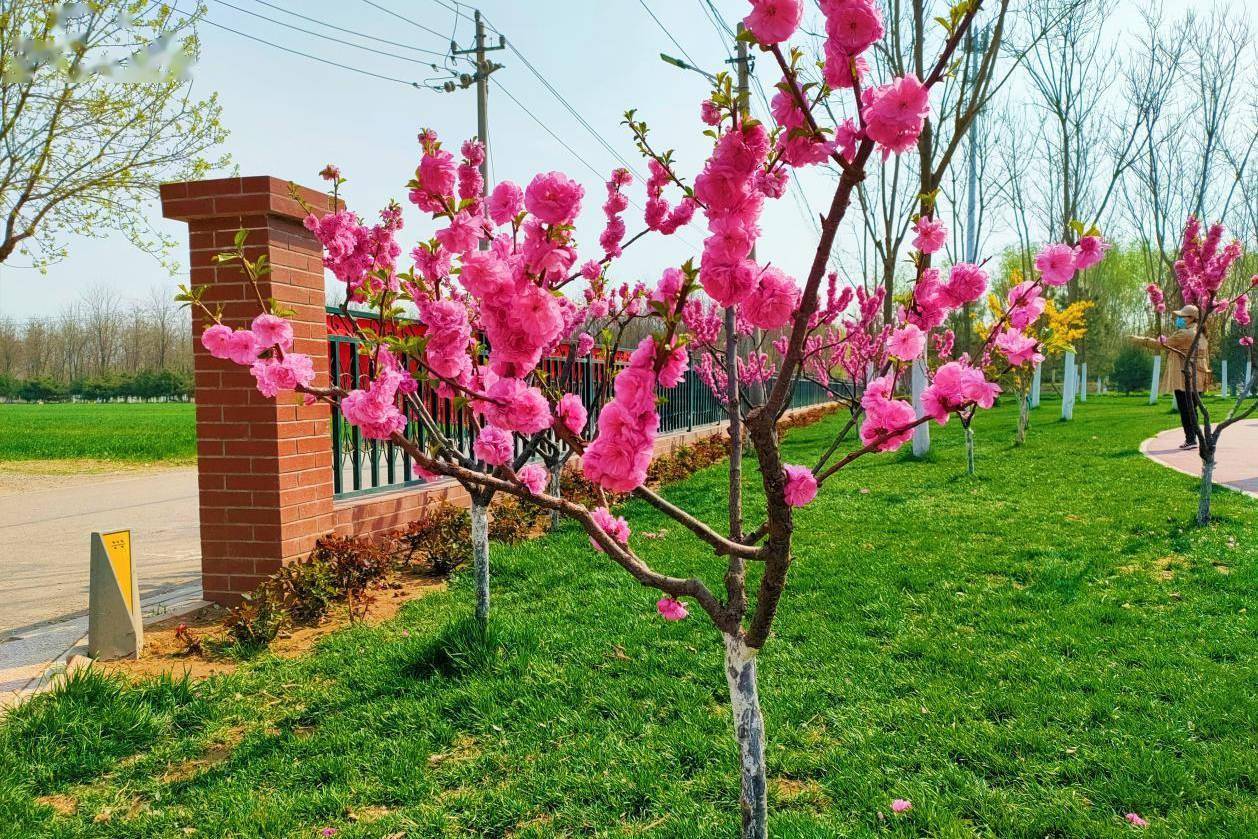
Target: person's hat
(1189,311)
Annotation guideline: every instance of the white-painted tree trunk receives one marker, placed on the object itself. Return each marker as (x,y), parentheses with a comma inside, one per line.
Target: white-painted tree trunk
(1207,487)
(480,559)
(921,434)
(556,491)
(744,696)
(1024,418)
(969,450)
(1036,378)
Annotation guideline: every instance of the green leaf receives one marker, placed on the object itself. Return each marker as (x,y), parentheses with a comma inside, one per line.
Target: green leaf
(241,236)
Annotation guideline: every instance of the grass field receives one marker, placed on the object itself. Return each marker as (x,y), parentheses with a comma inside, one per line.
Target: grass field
(1031,652)
(108,431)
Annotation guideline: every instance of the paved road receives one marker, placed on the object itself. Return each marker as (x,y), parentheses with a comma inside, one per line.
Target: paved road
(1236,460)
(45,537)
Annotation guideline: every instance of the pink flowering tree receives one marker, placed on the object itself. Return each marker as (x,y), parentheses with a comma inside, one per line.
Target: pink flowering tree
(1201,274)
(497,289)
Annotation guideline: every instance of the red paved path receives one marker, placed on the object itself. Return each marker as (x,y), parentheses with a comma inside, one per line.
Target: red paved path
(1236,462)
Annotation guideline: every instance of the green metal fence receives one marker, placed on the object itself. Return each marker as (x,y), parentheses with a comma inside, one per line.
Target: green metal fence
(363,466)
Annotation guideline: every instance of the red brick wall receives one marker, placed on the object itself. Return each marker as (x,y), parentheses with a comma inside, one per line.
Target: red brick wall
(264,465)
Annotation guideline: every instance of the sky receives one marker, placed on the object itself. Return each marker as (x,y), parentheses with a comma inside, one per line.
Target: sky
(290,115)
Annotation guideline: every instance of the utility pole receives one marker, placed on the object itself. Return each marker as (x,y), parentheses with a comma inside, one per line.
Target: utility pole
(976,45)
(484,68)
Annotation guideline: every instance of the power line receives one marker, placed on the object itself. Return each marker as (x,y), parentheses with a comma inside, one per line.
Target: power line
(547,129)
(580,119)
(664,29)
(343,29)
(334,40)
(307,55)
(375,5)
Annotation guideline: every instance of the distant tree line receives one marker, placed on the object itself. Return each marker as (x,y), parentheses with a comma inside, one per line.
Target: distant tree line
(100,347)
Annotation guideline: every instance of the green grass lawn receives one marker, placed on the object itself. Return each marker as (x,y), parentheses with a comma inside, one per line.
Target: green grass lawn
(139,432)
(1031,652)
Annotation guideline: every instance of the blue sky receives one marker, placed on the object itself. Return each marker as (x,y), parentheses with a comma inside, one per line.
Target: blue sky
(290,115)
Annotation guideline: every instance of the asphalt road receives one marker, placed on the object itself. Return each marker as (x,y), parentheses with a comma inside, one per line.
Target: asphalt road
(45,537)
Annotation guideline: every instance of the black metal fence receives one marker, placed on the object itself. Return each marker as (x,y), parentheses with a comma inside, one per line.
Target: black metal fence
(363,466)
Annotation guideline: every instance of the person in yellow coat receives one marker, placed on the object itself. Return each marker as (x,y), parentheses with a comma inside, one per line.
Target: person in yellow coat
(1178,345)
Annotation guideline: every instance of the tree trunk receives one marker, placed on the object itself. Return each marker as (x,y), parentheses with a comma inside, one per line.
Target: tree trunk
(969,450)
(1207,487)
(480,558)
(744,696)
(555,490)
(1024,418)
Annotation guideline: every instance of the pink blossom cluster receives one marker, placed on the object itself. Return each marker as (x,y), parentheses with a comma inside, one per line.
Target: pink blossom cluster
(614,526)
(801,485)
(1202,265)
(888,421)
(266,348)
(726,187)
(351,250)
(957,385)
(659,216)
(774,21)
(618,458)
(615,204)
(852,26)
(471,182)
(374,409)
(798,144)
(894,113)
(931,234)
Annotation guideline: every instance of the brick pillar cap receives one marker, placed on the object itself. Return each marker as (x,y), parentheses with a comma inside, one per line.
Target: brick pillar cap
(225,197)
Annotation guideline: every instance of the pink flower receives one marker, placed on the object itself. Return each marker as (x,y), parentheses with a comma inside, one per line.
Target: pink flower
(463,232)
(1240,310)
(374,409)
(1056,264)
(966,283)
(1019,348)
(515,406)
(931,234)
(618,458)
(887,421)
(956,385)
(709,113)
(774,21)
(485,275)
(217,340)
(774,300)
(853,26)
(274,375)
(901,805)
(554,198)
(533,477)
(571,413)
(242,347)
(505,202)
(801,485)
(1090,251)
(1246,341)
(670,609)
(614,526)
(727,283)
(449,334)
(493,445)
(840,67)
(894,113)
(1025,305)
(1135,820)
(907,342)
(272,331)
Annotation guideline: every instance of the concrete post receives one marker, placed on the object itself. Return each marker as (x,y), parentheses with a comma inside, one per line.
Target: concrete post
(1069,383)
(921,434)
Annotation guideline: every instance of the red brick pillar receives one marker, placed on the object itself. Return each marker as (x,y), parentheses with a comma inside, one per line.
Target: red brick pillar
(265,465)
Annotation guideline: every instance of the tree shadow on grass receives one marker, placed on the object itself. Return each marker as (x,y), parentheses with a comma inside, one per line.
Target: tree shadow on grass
(463,648)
